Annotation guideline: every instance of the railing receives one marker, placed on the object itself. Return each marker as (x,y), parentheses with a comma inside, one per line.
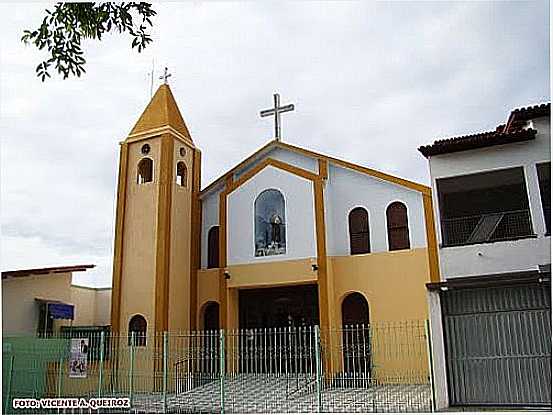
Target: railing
(489,227)
(379,367)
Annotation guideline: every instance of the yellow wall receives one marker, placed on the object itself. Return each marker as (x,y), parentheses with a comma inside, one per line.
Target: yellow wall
(392,282)
(269,274)
(20,311)
(179,263)
(103,307)
(85,312)
(208,290)
(139,240)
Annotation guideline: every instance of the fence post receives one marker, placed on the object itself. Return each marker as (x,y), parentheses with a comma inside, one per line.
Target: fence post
(60,375)
(165,369)
(131,367)
(222,368)
(318,369)
(431,366)
(9,385)
(101,364)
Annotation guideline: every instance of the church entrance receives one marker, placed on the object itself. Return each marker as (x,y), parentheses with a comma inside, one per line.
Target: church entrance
(291,306)
(276,326)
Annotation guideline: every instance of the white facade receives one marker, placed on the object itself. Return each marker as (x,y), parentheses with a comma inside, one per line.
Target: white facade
(300,217)
(347,189)
(344,190)
(505,256)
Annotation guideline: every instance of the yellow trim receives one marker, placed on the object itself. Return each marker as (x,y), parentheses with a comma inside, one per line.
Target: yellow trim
(118,243)
(323,168)
(365,170)
(163,243)
(431,242)
(156,132)
(321,253)
(223,254)
(371,172)
(265,163)
(195,240)
(272,274)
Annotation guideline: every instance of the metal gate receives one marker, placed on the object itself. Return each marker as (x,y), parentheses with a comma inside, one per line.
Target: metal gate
(498,345)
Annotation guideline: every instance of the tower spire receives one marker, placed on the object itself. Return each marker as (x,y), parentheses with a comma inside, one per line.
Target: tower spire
(162,111)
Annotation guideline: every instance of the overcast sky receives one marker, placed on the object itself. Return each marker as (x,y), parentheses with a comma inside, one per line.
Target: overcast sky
(370,81)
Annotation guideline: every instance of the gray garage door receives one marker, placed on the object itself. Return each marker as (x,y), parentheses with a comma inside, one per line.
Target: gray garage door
(498,345)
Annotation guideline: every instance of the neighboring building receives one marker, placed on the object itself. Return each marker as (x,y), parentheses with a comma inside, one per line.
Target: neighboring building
(288,237)
(43,300)
(491,311)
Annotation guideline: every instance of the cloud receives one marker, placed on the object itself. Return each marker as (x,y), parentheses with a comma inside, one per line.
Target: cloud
(371,82)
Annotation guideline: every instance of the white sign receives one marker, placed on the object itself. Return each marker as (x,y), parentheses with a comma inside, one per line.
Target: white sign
(78,359)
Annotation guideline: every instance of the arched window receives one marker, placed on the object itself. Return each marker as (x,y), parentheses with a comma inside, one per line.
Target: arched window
(356,335)
(182,174)
(145,171)
(213,247)
(138,326)
(359,240)
(398,228)
(270,223)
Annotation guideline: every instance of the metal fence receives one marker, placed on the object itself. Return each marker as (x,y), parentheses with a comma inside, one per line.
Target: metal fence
(487,227)
(378,368)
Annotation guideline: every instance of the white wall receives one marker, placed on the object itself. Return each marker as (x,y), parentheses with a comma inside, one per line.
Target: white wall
(210,217)
(300,217)
(503,256)
(347,189)
(295,159)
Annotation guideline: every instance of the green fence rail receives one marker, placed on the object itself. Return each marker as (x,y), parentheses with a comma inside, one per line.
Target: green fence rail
(380,367)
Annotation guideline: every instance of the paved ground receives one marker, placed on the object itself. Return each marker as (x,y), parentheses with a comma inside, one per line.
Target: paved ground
(271,394)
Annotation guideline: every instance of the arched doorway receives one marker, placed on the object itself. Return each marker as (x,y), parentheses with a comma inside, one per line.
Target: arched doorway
(209,340)
(211,316)
(356,337)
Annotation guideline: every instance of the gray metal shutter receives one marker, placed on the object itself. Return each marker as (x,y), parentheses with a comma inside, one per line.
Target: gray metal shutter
(498,345)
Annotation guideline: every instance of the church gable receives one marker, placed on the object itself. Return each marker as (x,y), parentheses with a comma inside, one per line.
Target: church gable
(275,152)
(271,217)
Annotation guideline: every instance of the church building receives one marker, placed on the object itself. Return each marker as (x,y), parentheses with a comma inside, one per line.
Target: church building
(288,237)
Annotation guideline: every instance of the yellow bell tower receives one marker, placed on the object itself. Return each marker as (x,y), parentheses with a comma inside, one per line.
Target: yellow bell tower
(156,251)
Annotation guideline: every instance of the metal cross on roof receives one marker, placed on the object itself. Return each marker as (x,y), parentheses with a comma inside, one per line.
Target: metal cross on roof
(165,75)
(276,111)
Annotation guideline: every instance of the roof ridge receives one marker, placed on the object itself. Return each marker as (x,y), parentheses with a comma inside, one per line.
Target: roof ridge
(343,163)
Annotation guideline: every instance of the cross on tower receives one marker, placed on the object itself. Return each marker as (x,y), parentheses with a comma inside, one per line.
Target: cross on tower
(276,111)
(165,75)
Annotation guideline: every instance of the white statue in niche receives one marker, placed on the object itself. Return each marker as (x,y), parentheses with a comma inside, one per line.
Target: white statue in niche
(270,225)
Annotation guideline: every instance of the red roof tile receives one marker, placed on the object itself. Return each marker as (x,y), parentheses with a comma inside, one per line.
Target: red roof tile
(512,132)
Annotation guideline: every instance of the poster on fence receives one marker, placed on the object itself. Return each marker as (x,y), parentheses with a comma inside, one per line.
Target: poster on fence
(78,359)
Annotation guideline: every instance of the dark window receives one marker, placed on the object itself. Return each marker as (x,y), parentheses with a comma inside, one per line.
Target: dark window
(213,247)
(145,171)
(484,207)
(181,174)
(398,228)
(544,177)
(138,326)
(359,231)
(270,223)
